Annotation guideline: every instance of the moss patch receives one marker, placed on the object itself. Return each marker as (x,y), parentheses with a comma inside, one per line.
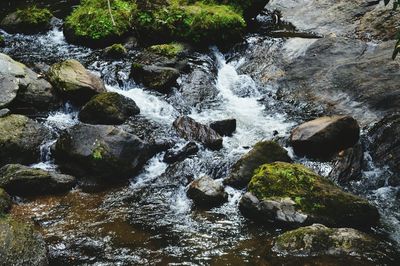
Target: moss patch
(169,50)
(34,17)
(116,51)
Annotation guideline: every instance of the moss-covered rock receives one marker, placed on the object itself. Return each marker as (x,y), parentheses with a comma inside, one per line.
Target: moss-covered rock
(312,195)
(91,23)
(155,77)
(22,180)
(20,139)
(28,20)
(263,152)
(318,240)
(116,51)
(169,50)
(21,244)
(109,108)
(5,202)
(74,82)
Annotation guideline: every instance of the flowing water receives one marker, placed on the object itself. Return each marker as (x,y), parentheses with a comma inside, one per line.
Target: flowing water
(150,220)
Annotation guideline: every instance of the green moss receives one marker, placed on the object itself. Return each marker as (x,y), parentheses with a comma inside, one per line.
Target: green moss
(116,50)
(170,50)
(91,20)
(98,151)
(33,16)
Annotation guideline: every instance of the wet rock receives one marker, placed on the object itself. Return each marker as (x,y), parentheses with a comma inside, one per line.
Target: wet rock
(294,195)
(172,156)
(348,165)
(2,41)
(324,136)
(164,56)
(263,152)
(74,82)
(22,180)
(115,51)
(29,20)
(21,244)
(318,240)
(20,139)
(22,90)
(224,127)
(385,142)
(191,130)
(4,112)
(106,153)
(5,202)
(109,108)
(206,192)
(161,79)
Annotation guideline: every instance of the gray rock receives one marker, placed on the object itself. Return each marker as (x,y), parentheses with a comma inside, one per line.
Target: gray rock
(206,192)
(224,127)
(348,165)
(22,180)
(172,156)
(155,77)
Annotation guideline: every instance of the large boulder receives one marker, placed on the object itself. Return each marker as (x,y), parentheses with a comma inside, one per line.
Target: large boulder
(5,202)
(318,240)
(224,127)
(23,90)
(191,130)
(206,192)
(74,82)
(22,180)
(21,244)
(29,20)
(106,153)
(20,139)
(385,142)
(158,78)
(325,136)
(263,152)
(283,191)
(109,108)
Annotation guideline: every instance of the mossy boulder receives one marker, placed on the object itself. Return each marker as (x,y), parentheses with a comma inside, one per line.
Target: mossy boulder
(157,78)
(74,82)
(21,244)
(170,50)
(5,202)
(263,152)
(20,139)
(91,24)
(318,240)
(22,180)
(313,196)
(28,20)
(116,51)
(249,8)
(108,108)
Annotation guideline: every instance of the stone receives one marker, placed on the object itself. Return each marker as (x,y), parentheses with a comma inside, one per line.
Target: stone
(206,192)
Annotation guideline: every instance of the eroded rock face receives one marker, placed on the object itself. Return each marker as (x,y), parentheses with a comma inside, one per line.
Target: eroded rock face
(263,152)
(191,130)
(22,180)
(74,82)
(106,153)
(325,136)
(206,192)
(22,90)
(20,244)
(20,139)
(108,108)
(294,195)
(318,240)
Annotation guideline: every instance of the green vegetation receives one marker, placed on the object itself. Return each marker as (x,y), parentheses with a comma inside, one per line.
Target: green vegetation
(169,50)
(116,51)
(32,17)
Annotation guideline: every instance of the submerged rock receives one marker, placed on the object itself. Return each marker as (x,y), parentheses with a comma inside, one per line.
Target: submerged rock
(5,202)
(22,180)
(385,142)
(224,127)
(172,156)
(74,82)
(29,20)
(20,139)
(109,108)
(263,152)
(22,90)
(21,244)
(292,190)
(158,78)
(318,240)
(206,192)
(325,136)
(191,130)
(106,153)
